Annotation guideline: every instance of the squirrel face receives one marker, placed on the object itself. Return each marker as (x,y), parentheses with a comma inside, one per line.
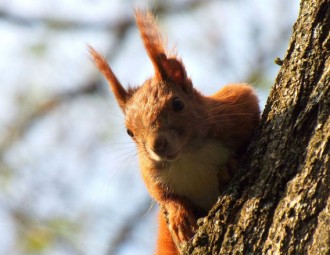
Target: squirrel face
(166,115)
(156,118)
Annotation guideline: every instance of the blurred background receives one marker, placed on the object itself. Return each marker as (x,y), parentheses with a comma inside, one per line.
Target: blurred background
(69,180)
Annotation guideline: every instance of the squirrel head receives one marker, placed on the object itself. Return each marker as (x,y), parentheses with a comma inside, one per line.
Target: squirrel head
(164,116)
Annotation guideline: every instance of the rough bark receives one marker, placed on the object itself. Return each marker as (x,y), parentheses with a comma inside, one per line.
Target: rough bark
(279,202)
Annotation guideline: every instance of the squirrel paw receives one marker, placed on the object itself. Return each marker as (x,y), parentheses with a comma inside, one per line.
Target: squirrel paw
(182,224)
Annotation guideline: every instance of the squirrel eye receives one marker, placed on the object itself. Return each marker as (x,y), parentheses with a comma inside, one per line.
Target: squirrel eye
(130,133)
(177,104)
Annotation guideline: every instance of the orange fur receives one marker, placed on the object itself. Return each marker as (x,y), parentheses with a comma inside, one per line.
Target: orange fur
(151,37)
(165,244)
(120,93)
(188,144)
(237,106)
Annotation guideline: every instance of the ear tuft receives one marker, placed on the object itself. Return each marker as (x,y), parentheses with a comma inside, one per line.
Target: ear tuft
(166,68)
(152,39)
(118,90)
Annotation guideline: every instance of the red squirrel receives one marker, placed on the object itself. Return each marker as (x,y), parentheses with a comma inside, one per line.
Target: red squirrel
(187,143)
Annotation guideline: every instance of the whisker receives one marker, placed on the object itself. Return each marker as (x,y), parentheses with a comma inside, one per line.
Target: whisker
(153,202)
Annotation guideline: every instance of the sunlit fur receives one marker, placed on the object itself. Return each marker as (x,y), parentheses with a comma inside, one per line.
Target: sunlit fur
(120,93)
(152,39)
(202,139)
(165,245)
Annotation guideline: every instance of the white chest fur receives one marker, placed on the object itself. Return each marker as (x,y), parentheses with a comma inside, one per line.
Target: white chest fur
(195,176)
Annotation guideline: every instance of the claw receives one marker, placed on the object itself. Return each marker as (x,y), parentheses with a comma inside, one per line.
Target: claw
(182,224)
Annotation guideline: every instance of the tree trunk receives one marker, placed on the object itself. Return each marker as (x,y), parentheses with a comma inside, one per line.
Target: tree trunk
(279,201)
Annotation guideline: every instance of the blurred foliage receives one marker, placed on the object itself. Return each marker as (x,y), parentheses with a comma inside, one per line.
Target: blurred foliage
(6,175)
(38,237)
(259,79)
(38,49)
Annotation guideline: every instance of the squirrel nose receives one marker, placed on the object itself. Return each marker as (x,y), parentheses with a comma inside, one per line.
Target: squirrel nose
(160,144)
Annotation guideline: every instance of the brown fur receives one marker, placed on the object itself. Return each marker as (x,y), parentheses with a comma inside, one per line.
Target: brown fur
(118,90)
(165,244)
(186,154)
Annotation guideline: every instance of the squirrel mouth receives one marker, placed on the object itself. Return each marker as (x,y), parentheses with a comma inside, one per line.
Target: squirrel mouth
(163,156)
(166,157)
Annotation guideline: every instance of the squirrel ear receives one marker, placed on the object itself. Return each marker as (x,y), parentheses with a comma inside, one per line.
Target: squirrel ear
(165,68)
(118,90)
(174,70)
